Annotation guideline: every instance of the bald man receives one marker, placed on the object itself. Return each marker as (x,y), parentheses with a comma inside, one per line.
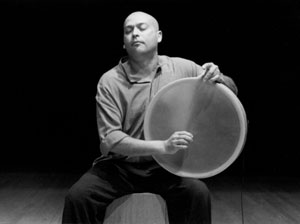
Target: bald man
(126,164)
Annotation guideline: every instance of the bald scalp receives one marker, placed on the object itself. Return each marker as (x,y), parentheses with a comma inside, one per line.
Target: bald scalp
(139,15)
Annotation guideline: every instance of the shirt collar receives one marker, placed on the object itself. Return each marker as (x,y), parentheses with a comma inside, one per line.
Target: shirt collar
(124,66)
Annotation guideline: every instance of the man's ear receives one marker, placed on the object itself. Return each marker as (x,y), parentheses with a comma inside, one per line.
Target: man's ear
(159,36)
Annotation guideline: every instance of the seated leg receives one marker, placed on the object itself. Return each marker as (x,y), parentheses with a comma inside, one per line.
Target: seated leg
(145,208)
(88,198)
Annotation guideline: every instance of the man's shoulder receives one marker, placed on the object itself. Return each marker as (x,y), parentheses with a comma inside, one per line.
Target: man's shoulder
(182,67)
(175,60)
(111,76)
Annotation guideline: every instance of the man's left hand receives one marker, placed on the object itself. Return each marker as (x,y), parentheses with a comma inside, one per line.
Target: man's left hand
(212,73)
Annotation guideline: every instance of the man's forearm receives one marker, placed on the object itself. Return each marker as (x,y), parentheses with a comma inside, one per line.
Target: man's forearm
(135,147)
(230,84)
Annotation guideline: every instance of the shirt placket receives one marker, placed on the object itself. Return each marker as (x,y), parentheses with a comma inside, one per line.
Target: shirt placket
(155,84)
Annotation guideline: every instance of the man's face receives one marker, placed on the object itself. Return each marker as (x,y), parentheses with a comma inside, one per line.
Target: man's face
(141,33)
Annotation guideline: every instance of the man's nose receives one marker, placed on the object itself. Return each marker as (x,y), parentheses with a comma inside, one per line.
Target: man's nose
(135,32)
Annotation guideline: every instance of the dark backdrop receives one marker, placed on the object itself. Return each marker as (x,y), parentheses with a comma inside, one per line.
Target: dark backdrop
(55,52)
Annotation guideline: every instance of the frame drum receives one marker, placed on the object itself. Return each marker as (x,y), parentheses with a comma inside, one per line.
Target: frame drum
(211,112)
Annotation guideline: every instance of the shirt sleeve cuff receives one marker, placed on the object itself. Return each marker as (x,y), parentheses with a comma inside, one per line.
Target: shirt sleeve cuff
(111,140)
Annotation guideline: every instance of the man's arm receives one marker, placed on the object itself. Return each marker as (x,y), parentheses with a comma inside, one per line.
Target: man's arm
(227,81)
(113,139)
(135,147)
(212,74)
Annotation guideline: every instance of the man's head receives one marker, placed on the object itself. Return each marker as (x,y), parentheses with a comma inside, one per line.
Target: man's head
(141,33)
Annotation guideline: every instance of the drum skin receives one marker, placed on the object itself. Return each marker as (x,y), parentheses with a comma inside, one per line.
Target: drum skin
(211,112)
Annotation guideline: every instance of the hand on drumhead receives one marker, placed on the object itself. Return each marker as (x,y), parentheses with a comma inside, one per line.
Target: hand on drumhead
(211,73)
(177,141)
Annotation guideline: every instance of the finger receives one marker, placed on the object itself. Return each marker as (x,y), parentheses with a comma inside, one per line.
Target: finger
(214,78)
(207,65)
(181,147)
(186,138)
(180,133)
(204,73)
(211,71)
(208,75)
(178,142)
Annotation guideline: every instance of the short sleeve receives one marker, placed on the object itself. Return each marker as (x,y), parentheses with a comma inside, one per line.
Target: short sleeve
(109,119)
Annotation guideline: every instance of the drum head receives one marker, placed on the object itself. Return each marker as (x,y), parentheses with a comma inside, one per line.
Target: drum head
(211,112)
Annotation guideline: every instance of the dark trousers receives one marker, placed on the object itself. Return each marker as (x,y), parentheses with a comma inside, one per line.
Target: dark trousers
(187,199)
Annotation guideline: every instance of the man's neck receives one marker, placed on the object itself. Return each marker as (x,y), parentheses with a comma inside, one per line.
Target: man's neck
(143,66)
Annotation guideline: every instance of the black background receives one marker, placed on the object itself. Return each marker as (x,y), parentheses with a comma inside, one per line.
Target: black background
(54,53)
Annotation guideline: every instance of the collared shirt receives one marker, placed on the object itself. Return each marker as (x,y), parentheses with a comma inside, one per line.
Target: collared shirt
(122,100)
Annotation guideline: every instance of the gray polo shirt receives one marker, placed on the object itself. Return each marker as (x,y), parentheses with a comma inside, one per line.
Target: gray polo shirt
(122,101)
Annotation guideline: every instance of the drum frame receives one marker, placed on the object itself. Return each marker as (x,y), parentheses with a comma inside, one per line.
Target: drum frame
(242,120)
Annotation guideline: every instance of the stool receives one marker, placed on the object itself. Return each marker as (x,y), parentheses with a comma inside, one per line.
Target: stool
(137,208)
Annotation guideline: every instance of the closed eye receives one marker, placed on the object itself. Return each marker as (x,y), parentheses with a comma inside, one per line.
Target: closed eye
(140,26)
(128,29)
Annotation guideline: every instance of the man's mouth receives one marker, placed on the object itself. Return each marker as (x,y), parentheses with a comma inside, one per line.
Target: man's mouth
(135,43)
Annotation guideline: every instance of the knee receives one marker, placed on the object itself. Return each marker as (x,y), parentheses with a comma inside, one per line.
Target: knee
(197,189)
(202,187)
(76,195)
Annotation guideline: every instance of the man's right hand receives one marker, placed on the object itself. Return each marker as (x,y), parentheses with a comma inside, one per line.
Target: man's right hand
(177,141)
